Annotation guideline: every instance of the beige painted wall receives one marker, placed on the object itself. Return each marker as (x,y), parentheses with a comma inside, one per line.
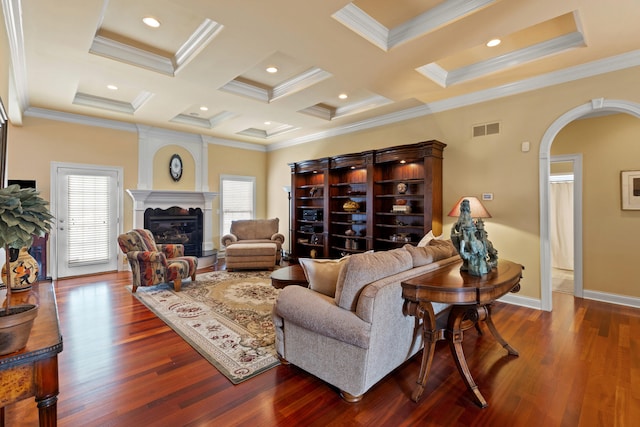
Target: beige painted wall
(33,146)
(225,160)
(608,145)
(475,165)
(162,179)
(73,143)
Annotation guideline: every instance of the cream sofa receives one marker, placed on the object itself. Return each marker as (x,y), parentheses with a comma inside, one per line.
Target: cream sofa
(356,337)
(248,231)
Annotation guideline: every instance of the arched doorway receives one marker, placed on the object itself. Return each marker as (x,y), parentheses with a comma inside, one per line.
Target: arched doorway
(596,105)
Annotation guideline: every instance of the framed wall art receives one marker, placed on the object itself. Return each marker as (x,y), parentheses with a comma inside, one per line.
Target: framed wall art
(630,184)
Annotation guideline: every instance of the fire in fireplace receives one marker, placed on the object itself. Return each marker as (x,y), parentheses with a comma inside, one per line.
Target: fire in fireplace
(176,225)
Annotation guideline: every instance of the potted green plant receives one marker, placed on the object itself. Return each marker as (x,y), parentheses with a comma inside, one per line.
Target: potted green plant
(23,215)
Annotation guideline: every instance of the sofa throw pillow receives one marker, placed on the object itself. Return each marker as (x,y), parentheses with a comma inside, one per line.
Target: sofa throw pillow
(429,237)
(322,274)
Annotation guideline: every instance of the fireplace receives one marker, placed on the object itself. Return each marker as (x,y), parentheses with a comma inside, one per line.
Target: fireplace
(176,225)
(164,199)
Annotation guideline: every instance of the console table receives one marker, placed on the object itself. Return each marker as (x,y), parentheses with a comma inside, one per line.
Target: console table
(33,371)
(470,298)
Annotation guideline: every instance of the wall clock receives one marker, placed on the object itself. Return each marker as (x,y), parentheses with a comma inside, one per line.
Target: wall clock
(175,167)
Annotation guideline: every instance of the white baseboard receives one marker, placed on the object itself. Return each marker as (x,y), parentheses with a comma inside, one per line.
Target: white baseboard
(612,298)
(593,295)
(522,301)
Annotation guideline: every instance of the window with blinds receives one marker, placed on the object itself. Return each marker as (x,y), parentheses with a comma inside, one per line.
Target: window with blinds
(89,219)
(237,201)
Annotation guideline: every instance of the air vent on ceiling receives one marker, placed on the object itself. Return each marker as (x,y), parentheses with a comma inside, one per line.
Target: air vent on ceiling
(486,129)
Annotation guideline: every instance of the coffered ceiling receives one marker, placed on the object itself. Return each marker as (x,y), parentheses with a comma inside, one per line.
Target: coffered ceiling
(203,70)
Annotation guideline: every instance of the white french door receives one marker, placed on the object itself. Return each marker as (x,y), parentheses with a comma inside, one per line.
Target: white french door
(86,217)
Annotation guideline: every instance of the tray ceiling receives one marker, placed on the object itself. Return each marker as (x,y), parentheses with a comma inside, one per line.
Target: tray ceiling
(203,70)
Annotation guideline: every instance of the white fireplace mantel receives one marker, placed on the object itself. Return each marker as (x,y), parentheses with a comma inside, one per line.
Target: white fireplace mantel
(164,199)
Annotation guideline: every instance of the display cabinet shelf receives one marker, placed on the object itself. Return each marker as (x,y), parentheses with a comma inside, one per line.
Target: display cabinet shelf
(377,180)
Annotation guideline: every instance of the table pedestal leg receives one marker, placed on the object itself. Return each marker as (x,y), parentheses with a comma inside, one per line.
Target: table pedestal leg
(424,311)
(455,332)
(485,312)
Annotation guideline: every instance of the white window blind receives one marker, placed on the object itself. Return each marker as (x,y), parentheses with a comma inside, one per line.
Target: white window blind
(88,219)
(238,200)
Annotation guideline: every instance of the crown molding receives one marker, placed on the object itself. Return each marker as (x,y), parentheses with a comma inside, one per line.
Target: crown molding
(367,27)
(327,112)
(234,144)
(508,60)
(606,65)
(358,21)
(204,123)
(437,17)
(300,82)
(264,134)
(131,55)
(112,104)
(244,88)
(602,66)
(240,86)
(196,42)
(12,10)
(80,119)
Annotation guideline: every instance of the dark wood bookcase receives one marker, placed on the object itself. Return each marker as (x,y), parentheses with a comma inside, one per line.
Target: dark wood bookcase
(397,193)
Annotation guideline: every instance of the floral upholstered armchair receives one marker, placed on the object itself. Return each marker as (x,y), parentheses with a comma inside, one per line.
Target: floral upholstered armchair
(152,264)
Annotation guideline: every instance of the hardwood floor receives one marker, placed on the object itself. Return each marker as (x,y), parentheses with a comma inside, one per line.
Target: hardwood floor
(122,366)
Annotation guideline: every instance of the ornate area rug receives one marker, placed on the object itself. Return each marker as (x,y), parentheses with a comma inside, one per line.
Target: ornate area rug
(225,316)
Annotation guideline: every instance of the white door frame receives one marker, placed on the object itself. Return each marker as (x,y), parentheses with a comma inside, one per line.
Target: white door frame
(576,160)
(52,259)
(596,105)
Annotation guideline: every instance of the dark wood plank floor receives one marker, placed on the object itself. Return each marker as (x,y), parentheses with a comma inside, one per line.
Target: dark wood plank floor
(122,366)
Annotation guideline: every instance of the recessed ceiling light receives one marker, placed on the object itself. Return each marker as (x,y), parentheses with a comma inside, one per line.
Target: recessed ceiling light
(203,108)
(112,87)
(494,42)
(151,21)
(343,96)
(272,70)
(267,123)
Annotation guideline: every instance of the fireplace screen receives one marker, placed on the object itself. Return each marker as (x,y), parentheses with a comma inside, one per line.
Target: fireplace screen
(176,225)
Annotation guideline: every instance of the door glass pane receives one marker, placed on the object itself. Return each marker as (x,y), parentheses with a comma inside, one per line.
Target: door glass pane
(89,219)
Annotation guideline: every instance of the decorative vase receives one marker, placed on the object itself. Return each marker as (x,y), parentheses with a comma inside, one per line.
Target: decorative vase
(15,327)
(351,206)
(24,270)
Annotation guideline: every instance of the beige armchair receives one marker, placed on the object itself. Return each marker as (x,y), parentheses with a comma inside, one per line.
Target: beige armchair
(248,231)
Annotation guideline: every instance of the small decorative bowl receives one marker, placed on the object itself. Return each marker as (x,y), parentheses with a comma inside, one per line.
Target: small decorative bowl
(351,206)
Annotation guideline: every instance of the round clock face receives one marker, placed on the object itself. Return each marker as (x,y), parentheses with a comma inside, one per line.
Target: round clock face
(175,167)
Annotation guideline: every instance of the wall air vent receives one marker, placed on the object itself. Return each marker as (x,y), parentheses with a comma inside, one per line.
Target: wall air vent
(486,129)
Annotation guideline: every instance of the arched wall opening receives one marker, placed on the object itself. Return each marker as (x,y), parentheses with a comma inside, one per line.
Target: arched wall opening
(596,105)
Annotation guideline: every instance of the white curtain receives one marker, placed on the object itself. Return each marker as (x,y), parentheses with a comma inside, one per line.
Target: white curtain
(562,225)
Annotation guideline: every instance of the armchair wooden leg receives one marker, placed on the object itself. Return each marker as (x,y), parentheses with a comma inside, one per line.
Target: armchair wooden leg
(177,284)
(350,397)
(193,277)
(134,288)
